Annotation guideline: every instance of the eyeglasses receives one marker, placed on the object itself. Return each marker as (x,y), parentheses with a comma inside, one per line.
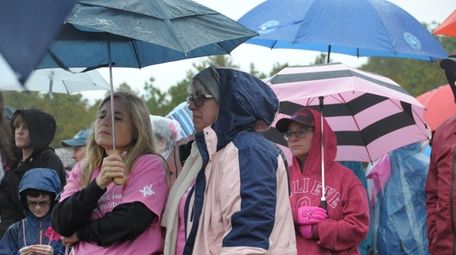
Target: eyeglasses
(300,133)
(33,204)
(198,99)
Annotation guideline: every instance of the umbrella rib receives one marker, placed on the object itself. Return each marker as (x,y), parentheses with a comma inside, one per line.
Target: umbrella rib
(422,120)
(136,52)
(168,25)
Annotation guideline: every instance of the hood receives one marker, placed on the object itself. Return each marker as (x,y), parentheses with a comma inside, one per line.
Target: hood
(41,126)
(313,160)
(246,99)
(45,179)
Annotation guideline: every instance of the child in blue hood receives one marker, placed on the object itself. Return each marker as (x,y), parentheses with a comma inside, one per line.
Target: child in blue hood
(34,234)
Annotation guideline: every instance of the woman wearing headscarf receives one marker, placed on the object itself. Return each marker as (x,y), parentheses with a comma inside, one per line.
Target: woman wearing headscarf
(232,194)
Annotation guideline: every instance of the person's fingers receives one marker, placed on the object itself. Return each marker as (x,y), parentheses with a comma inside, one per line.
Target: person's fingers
(123,155)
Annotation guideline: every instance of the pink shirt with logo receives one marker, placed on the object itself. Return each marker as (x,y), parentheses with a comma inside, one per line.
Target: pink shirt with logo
(147,184)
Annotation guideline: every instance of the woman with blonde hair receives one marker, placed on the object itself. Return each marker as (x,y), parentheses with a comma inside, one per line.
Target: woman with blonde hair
(112,204)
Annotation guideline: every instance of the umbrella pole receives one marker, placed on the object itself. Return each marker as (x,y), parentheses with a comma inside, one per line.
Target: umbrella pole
(329,54)
(322,147)
(113,126)
(51,83)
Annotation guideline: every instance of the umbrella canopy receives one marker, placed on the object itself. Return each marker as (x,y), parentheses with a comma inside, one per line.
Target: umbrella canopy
(370,114)
(352,27)
(440,105)
(138,33)
(448,26)
(182,114)
(60,81)
(23,38)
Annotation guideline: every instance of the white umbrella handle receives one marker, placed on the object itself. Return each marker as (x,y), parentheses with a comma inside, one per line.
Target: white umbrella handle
(113,126)
(322,147)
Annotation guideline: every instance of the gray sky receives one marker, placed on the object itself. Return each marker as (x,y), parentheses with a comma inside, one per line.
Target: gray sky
(168,74)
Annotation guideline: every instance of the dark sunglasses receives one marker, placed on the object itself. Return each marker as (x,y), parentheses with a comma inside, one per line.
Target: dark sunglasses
(300,133)
(198,99)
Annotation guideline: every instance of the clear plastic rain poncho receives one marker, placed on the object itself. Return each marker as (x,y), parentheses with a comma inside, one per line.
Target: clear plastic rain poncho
(398,201)
(166,133)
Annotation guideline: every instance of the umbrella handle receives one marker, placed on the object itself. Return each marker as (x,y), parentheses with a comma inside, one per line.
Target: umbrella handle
(322,147)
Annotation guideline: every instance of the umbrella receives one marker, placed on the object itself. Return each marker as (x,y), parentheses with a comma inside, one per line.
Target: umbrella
(448,26)
(137,33)
(370,114)
(352,27)
(60,81)
(440,105)
(182,114)
(26,29)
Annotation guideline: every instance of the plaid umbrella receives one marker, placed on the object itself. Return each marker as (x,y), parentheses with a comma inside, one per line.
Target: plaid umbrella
(370,114)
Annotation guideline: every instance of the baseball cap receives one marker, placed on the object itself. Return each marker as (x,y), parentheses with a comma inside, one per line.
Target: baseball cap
(78,140)
(303,116)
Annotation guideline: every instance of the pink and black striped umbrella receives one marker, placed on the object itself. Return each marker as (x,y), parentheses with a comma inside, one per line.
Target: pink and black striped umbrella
(370,114)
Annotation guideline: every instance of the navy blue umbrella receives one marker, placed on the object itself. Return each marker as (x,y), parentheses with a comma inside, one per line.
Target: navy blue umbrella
(26,29)
(353,27)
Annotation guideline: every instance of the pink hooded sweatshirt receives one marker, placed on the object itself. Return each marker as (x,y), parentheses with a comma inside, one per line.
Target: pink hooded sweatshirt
(347,207)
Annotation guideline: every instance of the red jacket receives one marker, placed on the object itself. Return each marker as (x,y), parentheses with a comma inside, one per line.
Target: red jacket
(441,190)
(347,206)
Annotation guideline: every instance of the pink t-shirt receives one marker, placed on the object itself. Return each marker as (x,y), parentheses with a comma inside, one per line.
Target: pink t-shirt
(181,234)
(147,184)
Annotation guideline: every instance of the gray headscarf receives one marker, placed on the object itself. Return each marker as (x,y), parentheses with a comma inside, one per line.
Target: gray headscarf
(209,80)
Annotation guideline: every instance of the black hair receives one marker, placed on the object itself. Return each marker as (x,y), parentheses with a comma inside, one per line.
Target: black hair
(37,193)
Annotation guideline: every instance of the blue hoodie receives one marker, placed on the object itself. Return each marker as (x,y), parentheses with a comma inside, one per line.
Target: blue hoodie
(43,179)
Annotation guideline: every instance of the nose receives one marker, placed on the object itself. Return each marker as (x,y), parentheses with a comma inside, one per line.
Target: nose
(19,129)
(192,106)
(74,156)
(106,120)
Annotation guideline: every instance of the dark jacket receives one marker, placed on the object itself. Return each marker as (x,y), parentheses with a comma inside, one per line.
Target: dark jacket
(31,228)
(42,128)
(441,190)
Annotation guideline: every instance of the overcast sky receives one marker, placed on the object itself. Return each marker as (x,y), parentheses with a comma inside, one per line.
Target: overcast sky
(168,74)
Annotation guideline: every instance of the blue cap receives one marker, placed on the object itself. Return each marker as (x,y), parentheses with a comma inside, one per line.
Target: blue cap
(78,140)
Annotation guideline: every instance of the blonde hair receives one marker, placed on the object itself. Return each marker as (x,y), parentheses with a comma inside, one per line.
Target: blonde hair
(142,142)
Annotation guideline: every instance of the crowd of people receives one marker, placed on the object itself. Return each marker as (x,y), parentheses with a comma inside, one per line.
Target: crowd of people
(234,194)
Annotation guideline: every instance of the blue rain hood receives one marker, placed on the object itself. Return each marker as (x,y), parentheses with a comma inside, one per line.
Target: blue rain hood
(45,179)
(246,99)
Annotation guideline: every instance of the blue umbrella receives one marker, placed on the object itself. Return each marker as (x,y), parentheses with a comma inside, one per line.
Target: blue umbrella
(182,114)
(26,29)
(352,27)
(139,33)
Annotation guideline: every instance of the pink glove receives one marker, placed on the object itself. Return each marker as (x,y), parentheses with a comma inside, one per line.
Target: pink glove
(306,231)
(311,215)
